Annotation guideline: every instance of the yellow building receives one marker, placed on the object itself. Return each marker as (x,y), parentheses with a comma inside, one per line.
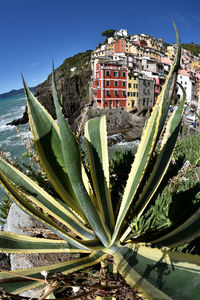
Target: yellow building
(145,51)
(132,91)
(129,44)
(196,65)
(171,51)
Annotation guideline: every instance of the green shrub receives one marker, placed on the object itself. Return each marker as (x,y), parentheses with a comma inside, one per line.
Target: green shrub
(188,148)
(4,208)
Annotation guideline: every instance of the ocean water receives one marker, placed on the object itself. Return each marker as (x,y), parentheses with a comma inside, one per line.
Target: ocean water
(10,142)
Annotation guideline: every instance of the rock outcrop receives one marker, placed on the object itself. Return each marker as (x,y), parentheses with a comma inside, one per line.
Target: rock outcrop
(20,121)
(72,82)
(118,121)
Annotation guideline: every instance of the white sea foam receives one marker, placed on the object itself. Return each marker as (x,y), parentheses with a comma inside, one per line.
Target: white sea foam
(5,127)
(27,134)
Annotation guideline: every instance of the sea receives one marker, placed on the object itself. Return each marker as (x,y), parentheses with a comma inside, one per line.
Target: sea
(12,144)
(10,141)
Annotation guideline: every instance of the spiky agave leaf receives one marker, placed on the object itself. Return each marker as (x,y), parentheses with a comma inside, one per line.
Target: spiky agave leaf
(159,274)
(148,142)
(143,267)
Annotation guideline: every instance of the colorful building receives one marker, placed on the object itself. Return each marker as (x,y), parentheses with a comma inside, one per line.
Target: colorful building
(145,91)
(158,83)
(118,46)
(132,91)
(188,83)
(109,89)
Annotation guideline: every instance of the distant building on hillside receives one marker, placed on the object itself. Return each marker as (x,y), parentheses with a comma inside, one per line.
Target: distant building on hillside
(188,83)
(121,33)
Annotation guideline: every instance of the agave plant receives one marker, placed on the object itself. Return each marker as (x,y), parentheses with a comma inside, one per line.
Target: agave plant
(84,203)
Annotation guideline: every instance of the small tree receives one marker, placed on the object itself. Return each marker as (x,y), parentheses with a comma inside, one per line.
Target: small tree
(108,33)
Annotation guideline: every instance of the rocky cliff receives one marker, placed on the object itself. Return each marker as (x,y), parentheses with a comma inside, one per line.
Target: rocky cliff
(72,81)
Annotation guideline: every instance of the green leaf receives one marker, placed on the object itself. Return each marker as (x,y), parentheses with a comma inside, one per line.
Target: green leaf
(159,274)
(163,160)
(97,149)
(20,198)
(18,243)
(148,142)
(43,200)
(48,145)
(72,163)
(186,232)
(17,287)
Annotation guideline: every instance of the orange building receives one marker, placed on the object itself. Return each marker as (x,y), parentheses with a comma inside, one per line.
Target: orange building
(118,46)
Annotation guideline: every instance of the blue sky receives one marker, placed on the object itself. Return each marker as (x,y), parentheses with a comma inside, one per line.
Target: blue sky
(33,32)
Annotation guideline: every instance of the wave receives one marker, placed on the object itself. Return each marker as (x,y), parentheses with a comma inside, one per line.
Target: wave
(8,144)
(23,98)
(5,127)
(12,114)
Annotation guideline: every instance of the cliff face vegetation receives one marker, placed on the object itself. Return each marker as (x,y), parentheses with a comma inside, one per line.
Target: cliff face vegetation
(193,48)
(72,81)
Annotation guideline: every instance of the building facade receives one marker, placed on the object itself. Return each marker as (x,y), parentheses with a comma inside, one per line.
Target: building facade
(110,84)
(132,90)
(145,92)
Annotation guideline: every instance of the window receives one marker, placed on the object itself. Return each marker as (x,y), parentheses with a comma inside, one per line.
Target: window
(134,94)
(135,77)
(133,103)
(117,104)
(110,104)
(129,85)
(129,77)
(116,83)
(128,94)
(148,83)
(124,74)
(107,93)
(124,93)
(123,83)
(107,73)
(116,93)
(115,74)
(107,82)
(135,85)
(143,101)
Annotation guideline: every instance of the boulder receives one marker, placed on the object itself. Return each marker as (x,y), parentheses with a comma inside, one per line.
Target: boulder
(21,223)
